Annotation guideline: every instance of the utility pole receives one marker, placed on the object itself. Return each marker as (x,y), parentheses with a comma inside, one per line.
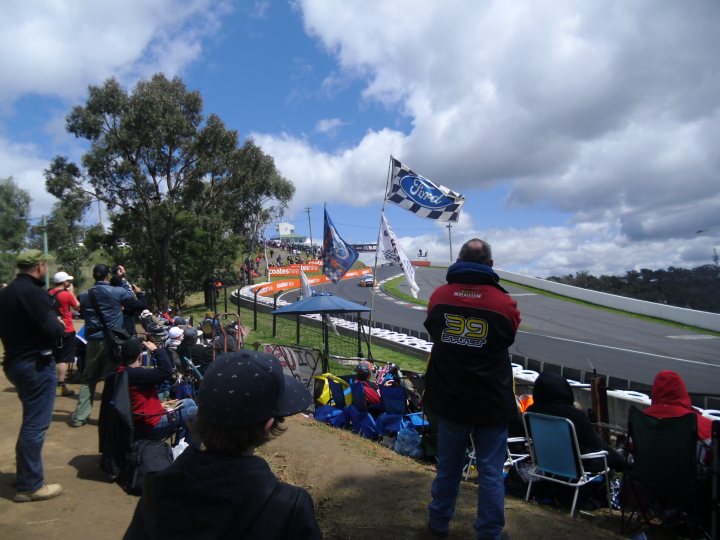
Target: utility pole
(45,249)
(310,227)
(449,228)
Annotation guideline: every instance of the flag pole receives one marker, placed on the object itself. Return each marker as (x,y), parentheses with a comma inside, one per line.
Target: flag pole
(377,246)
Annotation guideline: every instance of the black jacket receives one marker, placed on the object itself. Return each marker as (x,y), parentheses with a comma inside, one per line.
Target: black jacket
(28,324)
(209,496)
(552,395)
(472,322)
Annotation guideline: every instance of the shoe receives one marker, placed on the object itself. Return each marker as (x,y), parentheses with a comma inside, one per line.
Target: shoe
(77,423)
(436,533)
(47,491)
(64,391)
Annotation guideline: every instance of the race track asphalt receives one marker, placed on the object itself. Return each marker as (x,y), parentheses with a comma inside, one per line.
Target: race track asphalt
(573,335)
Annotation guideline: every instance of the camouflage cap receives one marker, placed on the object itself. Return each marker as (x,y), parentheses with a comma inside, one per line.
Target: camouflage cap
(30,258)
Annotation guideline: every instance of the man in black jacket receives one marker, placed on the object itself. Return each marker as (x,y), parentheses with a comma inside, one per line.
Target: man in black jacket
(29,328)
(224,491)
(469,386)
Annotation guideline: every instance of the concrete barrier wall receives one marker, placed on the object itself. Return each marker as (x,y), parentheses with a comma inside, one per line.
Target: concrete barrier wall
(700,319)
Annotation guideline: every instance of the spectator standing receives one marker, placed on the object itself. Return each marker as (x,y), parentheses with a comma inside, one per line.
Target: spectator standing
(29,328)
(98,358)
(225,491)
(469,385)
(130,314)
(65,302)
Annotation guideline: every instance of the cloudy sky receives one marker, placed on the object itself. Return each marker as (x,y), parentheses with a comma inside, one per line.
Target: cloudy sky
(584,135)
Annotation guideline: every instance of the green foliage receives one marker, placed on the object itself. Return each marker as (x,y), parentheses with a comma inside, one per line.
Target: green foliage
(695,288)
(14,212)
(180,188)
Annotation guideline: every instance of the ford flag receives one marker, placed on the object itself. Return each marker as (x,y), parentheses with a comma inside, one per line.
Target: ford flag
(338,255)
(419,195)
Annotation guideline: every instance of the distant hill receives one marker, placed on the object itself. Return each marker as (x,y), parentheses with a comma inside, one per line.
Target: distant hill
(697,288)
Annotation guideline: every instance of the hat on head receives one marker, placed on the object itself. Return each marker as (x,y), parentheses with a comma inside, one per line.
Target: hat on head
(62,277)
(175,333)
(30,257)
(131,349)
(145,313)
(363,367)
(190,335)
(245,388)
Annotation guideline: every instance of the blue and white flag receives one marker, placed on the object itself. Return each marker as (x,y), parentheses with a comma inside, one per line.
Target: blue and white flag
(394,252)
(419,195)
(338,255)
(306,290)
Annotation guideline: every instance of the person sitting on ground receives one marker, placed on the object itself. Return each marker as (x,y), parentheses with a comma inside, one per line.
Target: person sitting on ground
(553,395)
(153,419)
(224,490)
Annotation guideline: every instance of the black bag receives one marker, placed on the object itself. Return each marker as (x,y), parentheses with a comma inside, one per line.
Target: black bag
(145,458)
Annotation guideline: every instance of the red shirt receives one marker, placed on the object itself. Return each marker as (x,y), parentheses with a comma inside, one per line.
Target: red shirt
(65,300)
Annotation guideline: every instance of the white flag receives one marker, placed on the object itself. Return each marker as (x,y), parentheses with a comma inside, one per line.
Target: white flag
(306,291)
(393,251)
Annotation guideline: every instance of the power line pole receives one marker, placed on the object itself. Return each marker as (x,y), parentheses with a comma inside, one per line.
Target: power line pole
(45,249)
(449,228)
(310,227)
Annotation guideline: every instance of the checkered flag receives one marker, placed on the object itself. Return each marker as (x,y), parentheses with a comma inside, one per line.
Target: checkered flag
(419,195)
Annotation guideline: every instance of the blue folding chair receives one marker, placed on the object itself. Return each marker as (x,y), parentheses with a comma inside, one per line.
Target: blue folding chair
(556,456)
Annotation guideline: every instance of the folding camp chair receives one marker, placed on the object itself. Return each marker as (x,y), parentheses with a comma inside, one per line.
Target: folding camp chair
(660,479)
(511,461)
(556,456)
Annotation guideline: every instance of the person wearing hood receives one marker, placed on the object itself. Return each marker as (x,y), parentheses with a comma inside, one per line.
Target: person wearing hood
(670,399)
(469,386)
(224,490)
(552,395)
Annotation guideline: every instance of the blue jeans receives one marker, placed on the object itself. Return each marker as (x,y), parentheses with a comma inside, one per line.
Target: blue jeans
(490,452)
(175,421)
(35,382)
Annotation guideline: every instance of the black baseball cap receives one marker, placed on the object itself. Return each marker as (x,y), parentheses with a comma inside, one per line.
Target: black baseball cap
(245,388)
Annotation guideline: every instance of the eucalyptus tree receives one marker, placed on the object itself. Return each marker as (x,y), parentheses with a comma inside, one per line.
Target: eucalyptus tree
(181,188)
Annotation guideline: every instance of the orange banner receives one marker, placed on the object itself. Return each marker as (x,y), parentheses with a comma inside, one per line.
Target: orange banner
(293,270)
(268,289)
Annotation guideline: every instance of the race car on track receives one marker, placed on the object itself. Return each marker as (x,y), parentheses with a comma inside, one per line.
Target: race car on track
(367,281)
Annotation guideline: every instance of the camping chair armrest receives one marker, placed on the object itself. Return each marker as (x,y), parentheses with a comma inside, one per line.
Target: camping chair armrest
(592,455)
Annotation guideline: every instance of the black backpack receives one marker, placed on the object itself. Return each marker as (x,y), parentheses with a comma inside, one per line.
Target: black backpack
(145,458)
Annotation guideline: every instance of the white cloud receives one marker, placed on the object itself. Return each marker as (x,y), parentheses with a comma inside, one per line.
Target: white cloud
(329,126)
(20,161)
(59,47)
(607,111)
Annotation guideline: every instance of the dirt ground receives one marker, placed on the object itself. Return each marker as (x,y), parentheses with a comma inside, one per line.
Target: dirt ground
(360,488)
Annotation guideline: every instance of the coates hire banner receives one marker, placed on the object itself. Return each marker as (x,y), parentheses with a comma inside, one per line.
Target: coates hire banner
(293,270)
(268,289)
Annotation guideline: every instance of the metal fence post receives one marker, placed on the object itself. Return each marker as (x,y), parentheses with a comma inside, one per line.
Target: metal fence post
(274,331)
(255,313)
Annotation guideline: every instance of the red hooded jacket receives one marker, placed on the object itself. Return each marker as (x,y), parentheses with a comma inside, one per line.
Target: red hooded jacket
(670,399)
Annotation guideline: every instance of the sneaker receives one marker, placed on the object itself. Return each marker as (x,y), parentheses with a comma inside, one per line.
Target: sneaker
(47,491)
(64,391)
(77,423)
(435,533)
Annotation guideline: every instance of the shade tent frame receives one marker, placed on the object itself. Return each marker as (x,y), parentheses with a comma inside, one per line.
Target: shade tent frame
(324,304)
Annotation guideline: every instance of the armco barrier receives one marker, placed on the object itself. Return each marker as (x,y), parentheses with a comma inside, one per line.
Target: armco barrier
(700,319)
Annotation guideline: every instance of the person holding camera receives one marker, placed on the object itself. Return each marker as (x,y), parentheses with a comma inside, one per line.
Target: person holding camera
(102,309)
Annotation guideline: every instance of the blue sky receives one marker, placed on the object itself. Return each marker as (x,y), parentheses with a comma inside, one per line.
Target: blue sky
(583,136)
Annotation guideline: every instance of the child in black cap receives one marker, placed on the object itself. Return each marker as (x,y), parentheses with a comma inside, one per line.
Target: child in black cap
(225,491)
